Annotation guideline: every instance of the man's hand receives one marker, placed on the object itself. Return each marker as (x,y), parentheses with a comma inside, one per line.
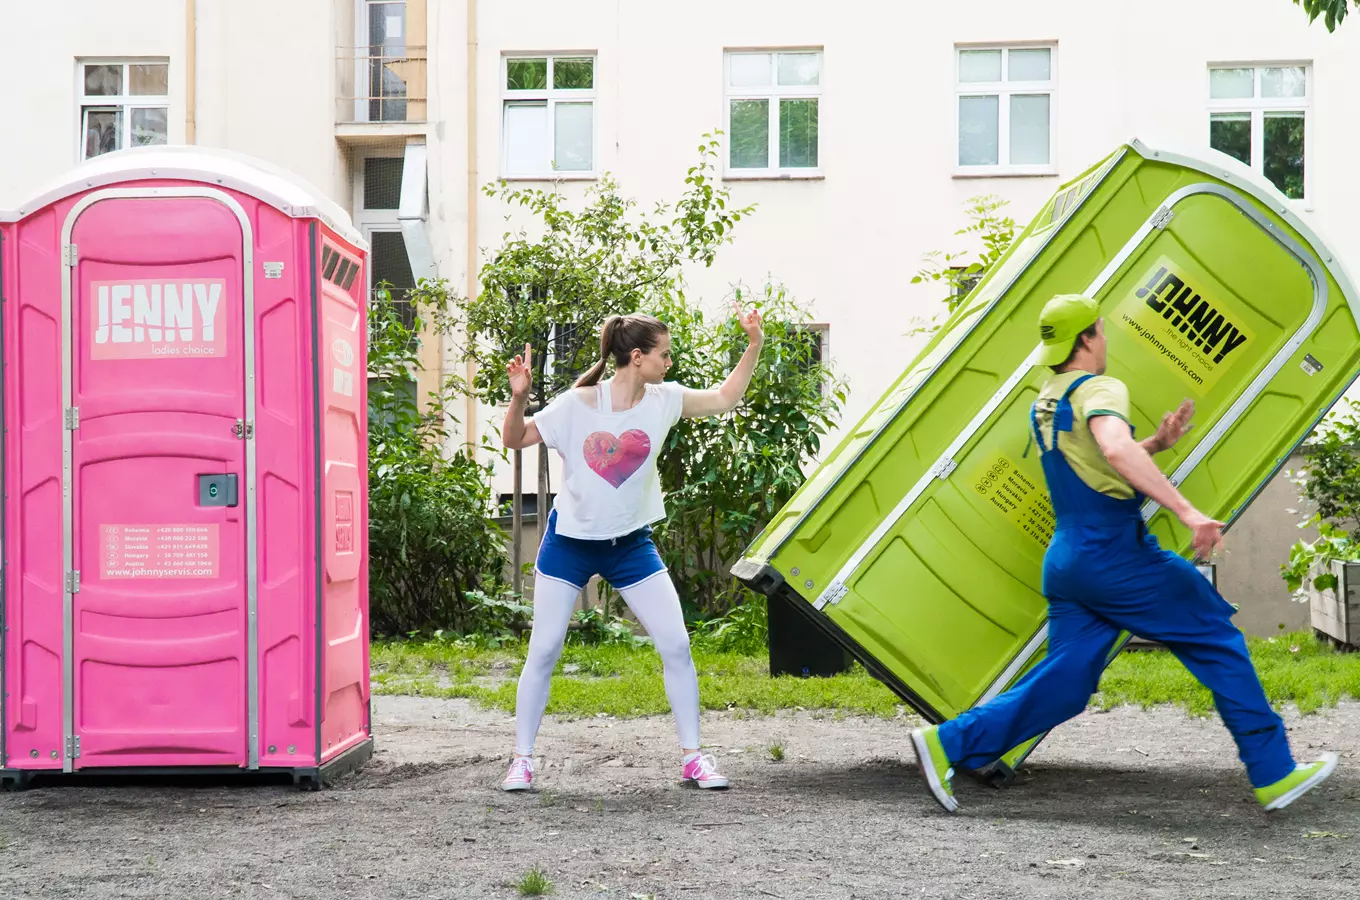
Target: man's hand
(1208,534)
(1130,460)
(1173,428)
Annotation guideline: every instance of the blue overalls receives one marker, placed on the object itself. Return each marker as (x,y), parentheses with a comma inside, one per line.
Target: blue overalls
(1104,573)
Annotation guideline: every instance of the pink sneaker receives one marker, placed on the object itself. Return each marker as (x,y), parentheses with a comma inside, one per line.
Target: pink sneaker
(521,775)
(703,771)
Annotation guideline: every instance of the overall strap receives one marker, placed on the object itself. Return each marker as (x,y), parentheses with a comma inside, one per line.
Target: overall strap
(1062,413)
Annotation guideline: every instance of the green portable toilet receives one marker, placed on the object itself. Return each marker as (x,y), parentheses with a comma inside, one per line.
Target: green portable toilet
(918,544)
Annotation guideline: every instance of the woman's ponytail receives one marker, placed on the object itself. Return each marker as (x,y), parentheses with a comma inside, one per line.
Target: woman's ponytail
(596,372)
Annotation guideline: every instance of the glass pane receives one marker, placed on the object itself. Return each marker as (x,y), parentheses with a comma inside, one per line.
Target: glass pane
(382,182)
(750,134)
(573,74)
(150,127)
(103,131)
(1286,82)
(387,29)
(1284,152)
(149,80)
(1029,129)
(1230,133)
(800,68)
(979,65)
(388,262)
(526,74)
(1232,84)
(749,70)
(386,90)
(574,137)
(979,131)
(526,138)
(103,81)
(1030,65)
(798,134)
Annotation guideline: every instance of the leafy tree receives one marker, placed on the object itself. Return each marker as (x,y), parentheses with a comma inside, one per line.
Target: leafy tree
(1332,11)
(435,557)
(958,274)
(552,289)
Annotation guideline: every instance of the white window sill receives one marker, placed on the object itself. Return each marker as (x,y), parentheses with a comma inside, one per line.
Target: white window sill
(774,175)
(553,176)
(1006,172)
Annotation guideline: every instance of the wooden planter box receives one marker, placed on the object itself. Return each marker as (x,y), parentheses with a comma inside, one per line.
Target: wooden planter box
(1336,614)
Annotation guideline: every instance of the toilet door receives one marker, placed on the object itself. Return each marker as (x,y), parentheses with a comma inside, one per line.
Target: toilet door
(159,669)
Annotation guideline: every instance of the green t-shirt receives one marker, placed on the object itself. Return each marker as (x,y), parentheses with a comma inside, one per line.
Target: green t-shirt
(1100,396)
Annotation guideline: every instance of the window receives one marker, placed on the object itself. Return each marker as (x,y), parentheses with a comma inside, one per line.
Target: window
(773,107)
(377,195)
(123,104)
(817,348)
(548,124)
(1259,115)
(385,23)
(382,182)
(961,285)
(1005,110)
(389,263)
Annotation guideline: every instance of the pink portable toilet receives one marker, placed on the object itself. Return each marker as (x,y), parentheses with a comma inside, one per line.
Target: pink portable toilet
(185,473)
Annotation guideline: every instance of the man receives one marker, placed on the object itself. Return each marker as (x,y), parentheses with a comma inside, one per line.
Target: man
(1104,573)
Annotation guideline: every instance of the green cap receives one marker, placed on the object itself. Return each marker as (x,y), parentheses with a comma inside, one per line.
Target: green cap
(1062,319)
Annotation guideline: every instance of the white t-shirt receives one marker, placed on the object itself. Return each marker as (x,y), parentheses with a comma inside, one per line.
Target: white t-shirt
(611,487)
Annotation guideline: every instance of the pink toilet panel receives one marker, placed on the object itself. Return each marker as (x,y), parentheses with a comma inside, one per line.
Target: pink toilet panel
(344,514)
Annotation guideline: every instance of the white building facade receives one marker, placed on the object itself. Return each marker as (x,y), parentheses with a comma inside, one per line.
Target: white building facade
(859,129)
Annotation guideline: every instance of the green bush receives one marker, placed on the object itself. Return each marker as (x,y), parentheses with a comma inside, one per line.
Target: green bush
(435,555)
(743,629)
(726,476)
(1330,481)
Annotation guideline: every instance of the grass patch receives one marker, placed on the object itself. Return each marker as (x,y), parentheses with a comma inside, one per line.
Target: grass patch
(1294,668)
(626,682)
(534,883)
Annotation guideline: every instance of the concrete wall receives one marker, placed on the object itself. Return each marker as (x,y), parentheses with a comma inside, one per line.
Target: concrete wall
(264,86)
(1255,548)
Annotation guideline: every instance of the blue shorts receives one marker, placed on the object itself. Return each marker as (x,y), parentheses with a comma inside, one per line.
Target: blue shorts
(623,562)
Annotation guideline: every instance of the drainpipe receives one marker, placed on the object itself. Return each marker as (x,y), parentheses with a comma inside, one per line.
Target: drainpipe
(470,416)
(190,72)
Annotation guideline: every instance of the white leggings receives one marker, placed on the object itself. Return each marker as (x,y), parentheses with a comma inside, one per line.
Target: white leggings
(656,605)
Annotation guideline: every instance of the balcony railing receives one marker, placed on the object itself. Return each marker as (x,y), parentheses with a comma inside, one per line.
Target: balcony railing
(380,84)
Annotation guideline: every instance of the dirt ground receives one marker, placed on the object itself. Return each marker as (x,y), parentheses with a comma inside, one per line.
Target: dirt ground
(1118,804)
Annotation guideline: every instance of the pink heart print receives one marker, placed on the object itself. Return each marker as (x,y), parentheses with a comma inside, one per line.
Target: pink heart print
(616,458)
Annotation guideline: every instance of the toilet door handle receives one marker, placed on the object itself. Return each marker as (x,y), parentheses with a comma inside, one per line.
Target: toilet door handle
(218,489)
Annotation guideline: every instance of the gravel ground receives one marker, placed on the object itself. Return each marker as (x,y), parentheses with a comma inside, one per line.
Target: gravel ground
(1119,804)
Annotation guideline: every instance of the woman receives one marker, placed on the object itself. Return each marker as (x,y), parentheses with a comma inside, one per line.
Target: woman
(608,434)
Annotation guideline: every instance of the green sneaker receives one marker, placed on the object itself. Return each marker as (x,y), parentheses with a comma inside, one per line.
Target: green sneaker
(1297,783)
(934,764)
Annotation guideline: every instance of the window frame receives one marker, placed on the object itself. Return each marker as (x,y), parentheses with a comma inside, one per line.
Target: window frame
(774,92)
(1257,106)
(124,102)
(1003,90)
(551,96)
